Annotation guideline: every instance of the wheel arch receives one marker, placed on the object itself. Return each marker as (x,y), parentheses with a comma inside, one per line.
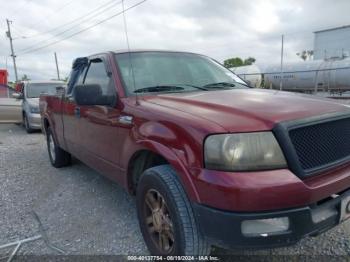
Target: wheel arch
(46,123)
(163,155)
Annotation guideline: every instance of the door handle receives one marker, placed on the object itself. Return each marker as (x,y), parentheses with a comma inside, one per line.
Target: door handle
(77,112)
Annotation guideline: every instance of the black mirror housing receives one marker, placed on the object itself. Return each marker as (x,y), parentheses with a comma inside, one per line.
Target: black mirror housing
(91,94)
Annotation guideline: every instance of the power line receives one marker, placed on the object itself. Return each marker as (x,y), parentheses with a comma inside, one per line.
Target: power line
(23,36)
(19,33)
(85,29)
(72,21)
(87,18)
(58,10)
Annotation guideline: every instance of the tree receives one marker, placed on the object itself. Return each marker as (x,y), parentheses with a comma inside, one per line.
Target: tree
(306,54)
(237,61)
(233,62)
(249,61)
(25,78)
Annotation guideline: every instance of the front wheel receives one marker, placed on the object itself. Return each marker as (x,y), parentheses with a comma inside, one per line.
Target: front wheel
(165,215)
(58,157)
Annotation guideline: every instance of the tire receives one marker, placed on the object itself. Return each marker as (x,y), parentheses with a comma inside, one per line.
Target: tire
(26,124)
(162,183)
(58,157)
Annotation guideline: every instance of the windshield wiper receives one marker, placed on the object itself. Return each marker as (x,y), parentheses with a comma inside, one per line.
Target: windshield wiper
(198,87)
(159,89)
(166,88)
(219,85)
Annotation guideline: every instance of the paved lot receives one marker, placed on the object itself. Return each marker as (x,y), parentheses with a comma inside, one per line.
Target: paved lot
(84,213)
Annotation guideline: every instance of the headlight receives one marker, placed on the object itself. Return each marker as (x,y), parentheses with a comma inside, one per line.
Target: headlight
(35,110)
(243,152)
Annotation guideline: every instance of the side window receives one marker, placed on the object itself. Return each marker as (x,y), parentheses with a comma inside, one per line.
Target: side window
(76,78)
(97,74)
(81,76)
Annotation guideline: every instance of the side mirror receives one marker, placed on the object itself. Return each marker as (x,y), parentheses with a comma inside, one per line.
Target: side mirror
(17,95)
(91,94)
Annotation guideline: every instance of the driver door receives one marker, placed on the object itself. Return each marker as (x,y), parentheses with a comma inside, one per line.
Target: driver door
(98,125)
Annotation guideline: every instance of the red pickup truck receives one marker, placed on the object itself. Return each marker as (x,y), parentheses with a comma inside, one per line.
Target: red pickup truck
(210,160)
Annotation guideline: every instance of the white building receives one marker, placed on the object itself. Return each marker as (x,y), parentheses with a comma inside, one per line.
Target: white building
(332,43)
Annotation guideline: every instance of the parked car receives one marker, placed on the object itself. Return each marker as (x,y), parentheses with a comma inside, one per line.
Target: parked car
(10,107)
(31,91)
(210,160)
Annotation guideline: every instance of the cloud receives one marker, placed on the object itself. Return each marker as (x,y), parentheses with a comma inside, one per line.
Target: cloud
(220,29)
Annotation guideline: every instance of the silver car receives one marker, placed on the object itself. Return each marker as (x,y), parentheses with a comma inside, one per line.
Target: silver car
(30,106)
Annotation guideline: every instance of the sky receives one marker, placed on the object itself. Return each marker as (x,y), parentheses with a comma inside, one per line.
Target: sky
(220,29)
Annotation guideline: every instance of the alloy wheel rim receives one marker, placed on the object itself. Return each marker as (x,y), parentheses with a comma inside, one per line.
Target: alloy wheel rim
(52,148)
(159,222)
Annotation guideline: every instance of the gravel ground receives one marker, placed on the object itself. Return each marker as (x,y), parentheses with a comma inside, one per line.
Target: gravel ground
(84,213)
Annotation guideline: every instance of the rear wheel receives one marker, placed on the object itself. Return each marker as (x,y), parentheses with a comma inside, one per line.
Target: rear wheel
(58,157)
(26,124)
(165,215)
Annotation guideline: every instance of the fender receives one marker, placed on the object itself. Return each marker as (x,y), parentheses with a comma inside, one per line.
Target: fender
(174,159)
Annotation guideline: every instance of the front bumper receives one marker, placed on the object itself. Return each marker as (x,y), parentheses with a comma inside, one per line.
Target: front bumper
(266,190)
(223,228)
(34,121)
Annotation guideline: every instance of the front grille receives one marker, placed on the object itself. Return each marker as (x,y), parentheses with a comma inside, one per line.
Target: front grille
(321,145)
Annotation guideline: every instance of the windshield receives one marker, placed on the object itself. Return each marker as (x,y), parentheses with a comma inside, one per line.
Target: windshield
(191,72)
(35,90)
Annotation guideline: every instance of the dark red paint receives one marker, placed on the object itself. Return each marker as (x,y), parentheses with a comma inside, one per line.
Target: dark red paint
(176,125)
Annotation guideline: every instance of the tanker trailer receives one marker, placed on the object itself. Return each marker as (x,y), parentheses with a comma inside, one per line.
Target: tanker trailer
(310,76)
(251,74)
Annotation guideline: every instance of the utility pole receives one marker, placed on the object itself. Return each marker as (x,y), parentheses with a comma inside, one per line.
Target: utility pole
(8,33)
(282,53)
(58,71)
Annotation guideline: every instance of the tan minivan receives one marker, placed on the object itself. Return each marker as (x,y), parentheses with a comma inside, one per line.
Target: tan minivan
(10,106)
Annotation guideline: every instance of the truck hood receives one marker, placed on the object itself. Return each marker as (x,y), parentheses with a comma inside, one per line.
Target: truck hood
(247,110)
